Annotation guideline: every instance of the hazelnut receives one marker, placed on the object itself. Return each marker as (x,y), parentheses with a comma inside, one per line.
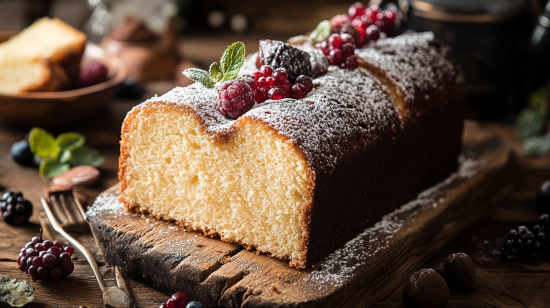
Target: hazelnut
(460,270)
(425,289)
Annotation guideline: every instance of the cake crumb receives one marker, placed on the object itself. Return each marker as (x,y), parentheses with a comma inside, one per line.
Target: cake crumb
(207,264)
(278,276)
(225,259)
(274,288)
(200,245)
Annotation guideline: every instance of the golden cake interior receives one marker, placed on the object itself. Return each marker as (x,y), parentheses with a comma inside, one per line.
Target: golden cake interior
(249,189)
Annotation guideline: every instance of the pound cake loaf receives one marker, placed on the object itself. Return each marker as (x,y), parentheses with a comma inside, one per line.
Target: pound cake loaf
(44,57)
(297,178)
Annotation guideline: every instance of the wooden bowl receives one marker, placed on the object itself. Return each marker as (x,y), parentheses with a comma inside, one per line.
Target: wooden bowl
(57,110)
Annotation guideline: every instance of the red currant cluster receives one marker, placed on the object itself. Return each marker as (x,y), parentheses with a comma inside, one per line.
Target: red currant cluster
(179,300)
(274,84)
(339,49)
(370,22)
(46,260)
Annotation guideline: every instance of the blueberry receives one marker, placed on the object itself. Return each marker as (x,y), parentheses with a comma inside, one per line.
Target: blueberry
(21,153)
(543,198)
(194,304)
(131,89)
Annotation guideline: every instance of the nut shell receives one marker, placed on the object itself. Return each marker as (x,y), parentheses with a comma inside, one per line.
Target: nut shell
(460,269)
(425,289)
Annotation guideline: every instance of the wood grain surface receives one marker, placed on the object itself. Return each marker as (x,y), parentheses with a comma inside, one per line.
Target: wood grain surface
(164,256)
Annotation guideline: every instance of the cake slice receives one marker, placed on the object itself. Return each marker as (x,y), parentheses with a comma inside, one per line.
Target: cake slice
(48,44)
(294,178)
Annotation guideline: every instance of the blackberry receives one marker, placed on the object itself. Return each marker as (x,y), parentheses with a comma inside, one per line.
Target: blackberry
(277,54)
(16,210)
(21,153)
(235,97)
(545,221)
(543,198)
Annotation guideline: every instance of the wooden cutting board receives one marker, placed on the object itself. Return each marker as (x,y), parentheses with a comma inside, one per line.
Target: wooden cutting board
(364,271)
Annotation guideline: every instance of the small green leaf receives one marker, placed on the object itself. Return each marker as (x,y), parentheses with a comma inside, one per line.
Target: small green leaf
(69,141)
(215,72)
(50,168)
(43,143)
(86,156)
(530,123)
(65,156)
(321,32)
(199,75)
(537,145)
(232,60)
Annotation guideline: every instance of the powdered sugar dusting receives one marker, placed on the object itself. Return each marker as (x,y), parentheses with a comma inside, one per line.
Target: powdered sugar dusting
(417,62)
(341,265)
(107,202)
(344,104)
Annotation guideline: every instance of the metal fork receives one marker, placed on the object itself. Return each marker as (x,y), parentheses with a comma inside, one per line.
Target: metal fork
(64,207)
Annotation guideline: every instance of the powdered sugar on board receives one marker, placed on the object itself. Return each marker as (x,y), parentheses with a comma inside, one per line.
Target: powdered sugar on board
(341,265)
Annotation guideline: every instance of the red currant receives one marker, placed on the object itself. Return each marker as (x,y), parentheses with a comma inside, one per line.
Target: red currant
(355,10)
(276,94)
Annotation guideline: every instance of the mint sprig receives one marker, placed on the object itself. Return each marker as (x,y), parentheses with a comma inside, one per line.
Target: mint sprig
(230,64)
(60,154)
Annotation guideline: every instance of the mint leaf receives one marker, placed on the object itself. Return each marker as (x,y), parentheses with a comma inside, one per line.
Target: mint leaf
(530,123)
(86,156)
(537,145)
(539,100)
(215,72)
(321,32)
(69,141)
(299,39)
(51,167)
(65,157)
(43,143)
(199,75)
(232,60)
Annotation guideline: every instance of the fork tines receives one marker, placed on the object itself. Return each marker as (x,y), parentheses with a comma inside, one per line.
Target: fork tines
(67,209)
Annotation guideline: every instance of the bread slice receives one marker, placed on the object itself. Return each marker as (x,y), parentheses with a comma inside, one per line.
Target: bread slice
(45,76)
(47,44)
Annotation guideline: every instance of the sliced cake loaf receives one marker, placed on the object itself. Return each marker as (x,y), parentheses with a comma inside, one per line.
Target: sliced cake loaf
(48,44)
(296,178)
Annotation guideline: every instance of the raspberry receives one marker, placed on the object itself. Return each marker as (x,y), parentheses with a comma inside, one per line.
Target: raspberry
(92,74)
(277,54)
(235,97)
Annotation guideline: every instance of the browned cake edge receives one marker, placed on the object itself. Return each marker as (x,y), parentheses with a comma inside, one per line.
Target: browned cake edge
(306,207)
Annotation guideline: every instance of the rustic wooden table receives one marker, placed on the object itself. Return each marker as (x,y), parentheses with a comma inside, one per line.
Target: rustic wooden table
(518,283)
